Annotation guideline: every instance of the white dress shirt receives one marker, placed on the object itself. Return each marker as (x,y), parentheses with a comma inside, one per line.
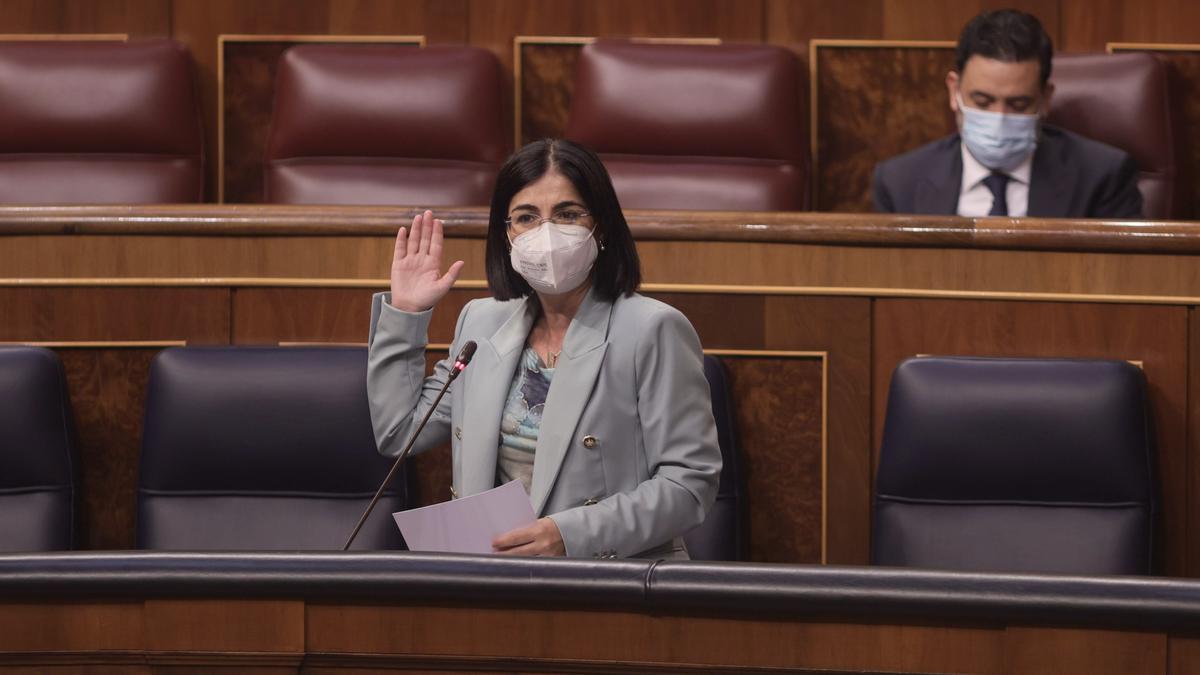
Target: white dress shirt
(975,199)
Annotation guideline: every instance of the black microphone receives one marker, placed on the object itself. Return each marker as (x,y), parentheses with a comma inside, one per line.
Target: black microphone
(460,364)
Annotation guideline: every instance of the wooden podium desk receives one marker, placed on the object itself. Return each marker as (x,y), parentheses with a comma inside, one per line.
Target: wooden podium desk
(809,312)
(137,612)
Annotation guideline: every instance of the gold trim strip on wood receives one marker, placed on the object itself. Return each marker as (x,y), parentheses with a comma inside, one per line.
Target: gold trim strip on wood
(813,94)
(418,40)
(825,460)
(319,343)
(433,347)
(64,37)
(1114,47)
(731,289)
(871,292)
(98,344)
(767,353)
(1141,365)
(878,44)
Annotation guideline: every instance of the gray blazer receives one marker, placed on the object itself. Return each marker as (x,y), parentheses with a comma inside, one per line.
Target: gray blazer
(627,458)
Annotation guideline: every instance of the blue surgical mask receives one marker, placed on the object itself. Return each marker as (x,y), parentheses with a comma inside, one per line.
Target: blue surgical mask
(999,141)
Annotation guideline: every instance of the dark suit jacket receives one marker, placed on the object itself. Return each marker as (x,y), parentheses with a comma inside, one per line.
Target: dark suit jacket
(1072,177)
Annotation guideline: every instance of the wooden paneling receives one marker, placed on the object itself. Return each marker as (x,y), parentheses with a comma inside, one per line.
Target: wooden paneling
(926,19)
(325,315)
(1155,336)
(779,410)
(108,396)
(175,257)
(1048,651)
(136,18)
(65,627)
(441,21)
(795,22)
(1183,654)
(247,626)
(334,636)
(1089,24)
(247,87)
(841,327)
(494,23)
(633,642)
(872,102)
(546,76)
(199,316)
(944,19)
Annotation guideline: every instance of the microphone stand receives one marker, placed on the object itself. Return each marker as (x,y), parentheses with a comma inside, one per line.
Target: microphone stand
(460,364)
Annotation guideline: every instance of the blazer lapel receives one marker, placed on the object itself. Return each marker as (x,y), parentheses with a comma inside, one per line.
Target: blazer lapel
(1051,180)
(570,390)
(937,193)
(483,401)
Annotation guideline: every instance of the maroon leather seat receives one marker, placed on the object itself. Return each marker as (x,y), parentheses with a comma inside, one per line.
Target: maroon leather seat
(372,124)
(1124,100)
(695,127)
(99,123)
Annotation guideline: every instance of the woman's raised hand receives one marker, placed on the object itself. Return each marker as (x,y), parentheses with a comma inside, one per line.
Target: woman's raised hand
(417,281)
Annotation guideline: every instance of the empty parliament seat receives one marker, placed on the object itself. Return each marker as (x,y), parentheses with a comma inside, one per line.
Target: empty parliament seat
(37,453)
(1124,100)
(261,448)
(722,536)
(715,127)
(385,125)
(1016,465)
(99,123)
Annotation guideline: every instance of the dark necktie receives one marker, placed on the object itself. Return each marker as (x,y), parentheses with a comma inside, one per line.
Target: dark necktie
(998,184)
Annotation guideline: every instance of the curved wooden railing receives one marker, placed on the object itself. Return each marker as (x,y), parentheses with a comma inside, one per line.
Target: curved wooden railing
(1045,234)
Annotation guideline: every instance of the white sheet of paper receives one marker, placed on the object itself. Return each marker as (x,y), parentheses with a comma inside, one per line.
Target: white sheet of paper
(469,524)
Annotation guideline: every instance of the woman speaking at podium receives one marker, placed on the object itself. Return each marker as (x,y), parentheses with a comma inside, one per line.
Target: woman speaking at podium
(591,395)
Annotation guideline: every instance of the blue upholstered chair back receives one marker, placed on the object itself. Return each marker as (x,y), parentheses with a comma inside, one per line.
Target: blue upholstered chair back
(722,536)
(261,448)
(37,452)
(1018,465)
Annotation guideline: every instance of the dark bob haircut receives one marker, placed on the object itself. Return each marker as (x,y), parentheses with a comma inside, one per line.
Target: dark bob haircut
(617,270)
(1008,35)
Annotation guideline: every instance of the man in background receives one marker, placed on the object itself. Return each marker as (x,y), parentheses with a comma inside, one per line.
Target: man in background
(1004,161)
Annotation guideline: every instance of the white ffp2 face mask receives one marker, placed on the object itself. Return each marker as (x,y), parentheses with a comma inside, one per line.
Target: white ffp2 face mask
(1000,141)
(554,259)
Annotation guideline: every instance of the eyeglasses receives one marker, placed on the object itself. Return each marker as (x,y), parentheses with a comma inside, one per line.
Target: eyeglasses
(524,222)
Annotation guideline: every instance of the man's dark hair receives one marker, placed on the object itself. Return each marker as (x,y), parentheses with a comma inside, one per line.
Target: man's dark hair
(1006,35)
(617,270)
